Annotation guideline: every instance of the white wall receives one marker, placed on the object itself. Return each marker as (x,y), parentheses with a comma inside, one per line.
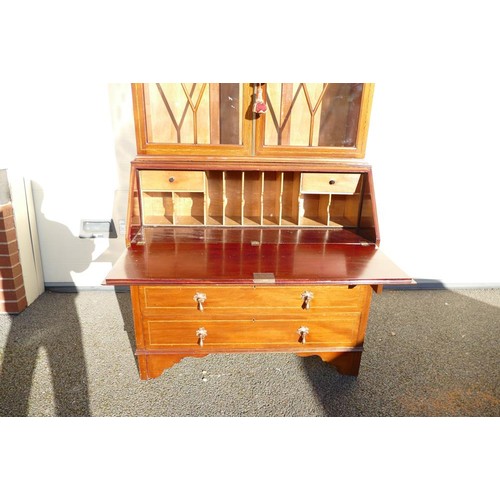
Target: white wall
(433,140)
(430,143)
(433,146)
(72,141)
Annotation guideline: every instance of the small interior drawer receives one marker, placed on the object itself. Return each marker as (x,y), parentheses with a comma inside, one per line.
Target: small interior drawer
(172,180)
(329,183)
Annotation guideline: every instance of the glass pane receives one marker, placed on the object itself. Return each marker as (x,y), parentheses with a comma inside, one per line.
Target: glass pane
(312,114)
(193,113)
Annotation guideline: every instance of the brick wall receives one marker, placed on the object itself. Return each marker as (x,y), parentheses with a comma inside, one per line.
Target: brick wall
(12,293)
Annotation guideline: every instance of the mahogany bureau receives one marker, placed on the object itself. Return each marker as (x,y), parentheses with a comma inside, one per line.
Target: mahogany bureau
(240,241)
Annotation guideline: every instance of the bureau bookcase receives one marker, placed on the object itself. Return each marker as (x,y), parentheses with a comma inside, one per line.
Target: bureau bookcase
(251,232)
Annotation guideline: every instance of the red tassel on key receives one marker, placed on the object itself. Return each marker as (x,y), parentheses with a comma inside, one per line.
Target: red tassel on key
(259,105)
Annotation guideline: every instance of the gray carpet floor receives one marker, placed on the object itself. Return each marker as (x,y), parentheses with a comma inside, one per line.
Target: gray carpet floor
(427,353)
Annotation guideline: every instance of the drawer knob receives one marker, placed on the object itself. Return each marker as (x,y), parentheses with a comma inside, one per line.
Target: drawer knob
(171,179)
(303,331)
(200,298)
(331,182)
(307,297)
(201,333)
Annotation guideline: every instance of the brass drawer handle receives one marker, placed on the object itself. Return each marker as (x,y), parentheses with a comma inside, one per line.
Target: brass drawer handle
(303,331)
(200,298)
(201,333)
(307,297)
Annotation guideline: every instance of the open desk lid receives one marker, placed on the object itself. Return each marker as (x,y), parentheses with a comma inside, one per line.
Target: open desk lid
(209,256)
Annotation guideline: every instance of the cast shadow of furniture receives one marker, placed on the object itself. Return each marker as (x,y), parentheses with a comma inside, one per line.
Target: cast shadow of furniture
(123,299)
(428,352)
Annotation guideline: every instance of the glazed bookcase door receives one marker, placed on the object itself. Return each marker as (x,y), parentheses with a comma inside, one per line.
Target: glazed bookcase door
(314,119)
(193,118)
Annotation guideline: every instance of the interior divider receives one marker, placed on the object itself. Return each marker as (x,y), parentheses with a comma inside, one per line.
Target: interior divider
(254,198)
(233,199)
(252,194)
(280,202)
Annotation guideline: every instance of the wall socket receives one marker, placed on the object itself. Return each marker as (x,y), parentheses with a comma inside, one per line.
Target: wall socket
(90,228)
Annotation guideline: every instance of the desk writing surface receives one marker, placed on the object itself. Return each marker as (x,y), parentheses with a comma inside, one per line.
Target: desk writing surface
(235,256)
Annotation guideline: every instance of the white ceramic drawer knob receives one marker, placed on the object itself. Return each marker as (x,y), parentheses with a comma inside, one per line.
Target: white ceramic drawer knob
(201,333)
(200,299)
(303,331)
(307,297)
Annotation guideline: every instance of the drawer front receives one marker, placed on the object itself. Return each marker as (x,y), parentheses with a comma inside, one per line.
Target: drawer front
(329,183)
(180,302)
(172,180)
(339,330)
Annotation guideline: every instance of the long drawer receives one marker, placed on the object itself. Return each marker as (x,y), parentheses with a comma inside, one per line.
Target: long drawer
(339,330)
(240,302)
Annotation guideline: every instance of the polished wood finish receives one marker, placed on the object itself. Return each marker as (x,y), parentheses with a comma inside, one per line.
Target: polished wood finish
(239,319)
(172,180)
(233,255)
(215,129)
(242,243)
(245,299)
(349,119)
(257,333)
(172,265)
(314,120)
(346,362)
(186,197)
(338,183)
(174,191)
